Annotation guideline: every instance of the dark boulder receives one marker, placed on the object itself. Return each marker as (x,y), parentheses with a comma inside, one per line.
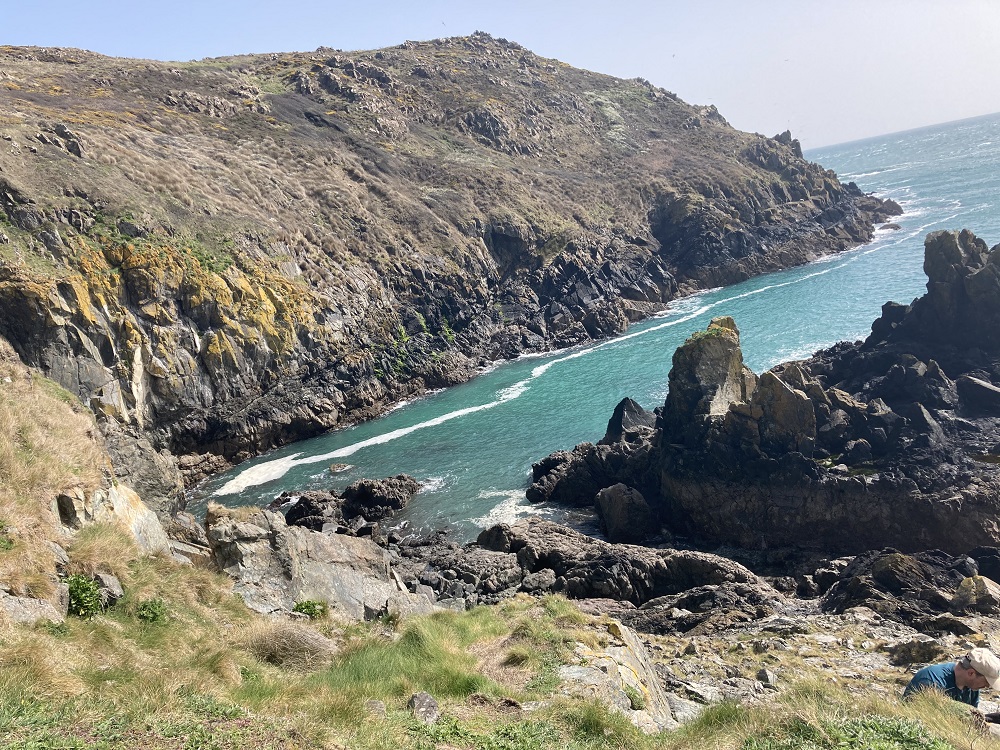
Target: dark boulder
(922,590)
(376,499)
(629,422)
(705,609)
(313,510)
(626,515)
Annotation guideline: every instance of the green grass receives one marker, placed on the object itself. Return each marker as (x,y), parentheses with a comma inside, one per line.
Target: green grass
(429,655)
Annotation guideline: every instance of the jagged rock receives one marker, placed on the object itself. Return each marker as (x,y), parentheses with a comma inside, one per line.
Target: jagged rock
(962,304)
(590,568)
(628,421)
(541,581)
(767,678)
(705,609)
(191,554)
(912,589)
(313,510)
(184,527)
(274,565)
(378,498)
(787,422)
(151,473)
(978,594)
(626,515)
(708,375)
(535,555)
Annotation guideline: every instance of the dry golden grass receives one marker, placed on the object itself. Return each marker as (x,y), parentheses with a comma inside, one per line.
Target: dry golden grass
(48,445)
(286,644)
(103,548)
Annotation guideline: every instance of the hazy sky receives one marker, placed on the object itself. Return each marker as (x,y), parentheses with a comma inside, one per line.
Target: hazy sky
(829,70)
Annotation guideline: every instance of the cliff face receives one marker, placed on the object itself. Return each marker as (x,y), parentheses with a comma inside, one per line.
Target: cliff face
(224,255)
(894,441)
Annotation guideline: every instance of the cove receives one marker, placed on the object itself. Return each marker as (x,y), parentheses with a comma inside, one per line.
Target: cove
(472,445)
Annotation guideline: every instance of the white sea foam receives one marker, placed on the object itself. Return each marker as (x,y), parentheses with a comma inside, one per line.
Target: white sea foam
(271,470)
(433,484)
(514,505)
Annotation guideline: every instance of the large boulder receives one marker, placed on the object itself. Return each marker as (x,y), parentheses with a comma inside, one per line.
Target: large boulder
(378,498)
(119,505)
(313,509)
(274,565)
(590,568)
(787,422)
(929,590)
(705,609)
(626,515)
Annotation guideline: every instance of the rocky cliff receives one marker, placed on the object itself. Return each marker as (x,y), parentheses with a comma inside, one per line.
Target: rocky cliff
(224,255)
(893,441)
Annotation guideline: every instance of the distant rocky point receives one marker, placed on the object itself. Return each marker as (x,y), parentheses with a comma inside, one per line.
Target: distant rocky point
(223,256)
(889,442)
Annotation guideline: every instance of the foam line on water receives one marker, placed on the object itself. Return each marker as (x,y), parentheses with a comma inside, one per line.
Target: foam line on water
(271,470)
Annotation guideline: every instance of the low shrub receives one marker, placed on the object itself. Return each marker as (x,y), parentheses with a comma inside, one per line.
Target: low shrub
(84,596)
(152,611)
(311,609)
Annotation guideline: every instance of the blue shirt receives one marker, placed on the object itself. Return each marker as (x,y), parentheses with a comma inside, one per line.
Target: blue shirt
(941,677)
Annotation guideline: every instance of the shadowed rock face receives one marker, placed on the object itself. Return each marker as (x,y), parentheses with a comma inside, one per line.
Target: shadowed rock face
(894,441)
(232,255)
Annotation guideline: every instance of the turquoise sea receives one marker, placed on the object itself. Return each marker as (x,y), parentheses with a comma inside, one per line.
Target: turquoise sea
(473,445)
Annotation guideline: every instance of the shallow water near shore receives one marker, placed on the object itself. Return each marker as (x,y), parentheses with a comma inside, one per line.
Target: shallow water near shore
(472,445)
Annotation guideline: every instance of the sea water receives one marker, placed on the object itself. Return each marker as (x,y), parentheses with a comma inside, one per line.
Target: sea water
(472,445)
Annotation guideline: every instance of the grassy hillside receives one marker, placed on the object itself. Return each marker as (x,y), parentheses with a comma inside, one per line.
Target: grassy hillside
(180,662)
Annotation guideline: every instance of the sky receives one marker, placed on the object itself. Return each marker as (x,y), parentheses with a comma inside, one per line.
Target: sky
(830,71)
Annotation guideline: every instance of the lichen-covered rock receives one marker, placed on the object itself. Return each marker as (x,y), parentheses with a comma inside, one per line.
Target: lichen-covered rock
(707,376)
(620,675)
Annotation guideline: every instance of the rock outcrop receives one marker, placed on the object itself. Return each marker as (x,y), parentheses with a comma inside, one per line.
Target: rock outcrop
(407,246)
(539,556)
(930,591)
(274,566)
(894,441)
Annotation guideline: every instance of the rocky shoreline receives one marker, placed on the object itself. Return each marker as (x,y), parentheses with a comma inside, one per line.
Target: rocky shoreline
(888,442)
(446,217)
